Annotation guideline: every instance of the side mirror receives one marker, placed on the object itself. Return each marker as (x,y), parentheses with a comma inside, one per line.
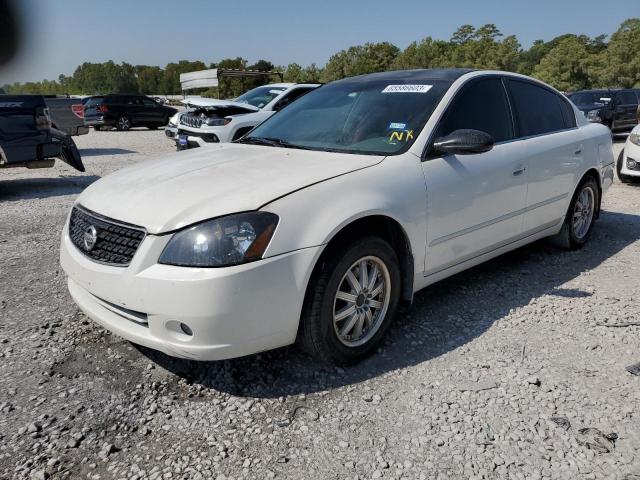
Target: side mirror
(464,142)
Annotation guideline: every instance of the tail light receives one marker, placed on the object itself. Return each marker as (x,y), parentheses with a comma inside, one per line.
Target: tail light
(78,110)
(103,108)
(43,122)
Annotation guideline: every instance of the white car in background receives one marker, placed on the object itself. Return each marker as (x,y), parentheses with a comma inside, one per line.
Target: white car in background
(628,165)
(211,121)
(321,220)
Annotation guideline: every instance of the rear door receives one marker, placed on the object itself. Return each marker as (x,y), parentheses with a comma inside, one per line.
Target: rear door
(152,112)
(552,146)
(475,203)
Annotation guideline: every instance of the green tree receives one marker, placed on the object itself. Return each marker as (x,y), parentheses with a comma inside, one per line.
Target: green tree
(361,59)
(619,64)
(149,79)
(566,66)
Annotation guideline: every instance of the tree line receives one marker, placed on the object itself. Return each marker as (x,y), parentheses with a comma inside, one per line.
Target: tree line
(568,62)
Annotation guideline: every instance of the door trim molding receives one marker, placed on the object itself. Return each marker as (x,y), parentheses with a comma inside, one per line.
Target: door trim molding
(499,219)
(495,247)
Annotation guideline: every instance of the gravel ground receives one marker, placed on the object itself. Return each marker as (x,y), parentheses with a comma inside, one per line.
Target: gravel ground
(494,373)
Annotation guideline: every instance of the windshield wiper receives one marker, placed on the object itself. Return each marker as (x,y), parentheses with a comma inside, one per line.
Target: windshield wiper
(273,142)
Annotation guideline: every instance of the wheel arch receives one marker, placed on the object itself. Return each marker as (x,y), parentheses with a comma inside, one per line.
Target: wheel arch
(380,225)
(592,172)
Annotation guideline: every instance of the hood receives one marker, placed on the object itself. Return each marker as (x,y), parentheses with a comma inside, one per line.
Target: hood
(212,103)
(186,187)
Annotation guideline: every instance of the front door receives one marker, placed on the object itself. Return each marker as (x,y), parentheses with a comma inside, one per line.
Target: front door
(475,203)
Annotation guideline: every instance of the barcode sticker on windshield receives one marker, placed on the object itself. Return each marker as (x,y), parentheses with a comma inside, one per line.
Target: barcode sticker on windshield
(407,88)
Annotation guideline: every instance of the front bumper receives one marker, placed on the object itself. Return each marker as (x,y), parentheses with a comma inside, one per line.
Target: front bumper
(232,311)
(631,152)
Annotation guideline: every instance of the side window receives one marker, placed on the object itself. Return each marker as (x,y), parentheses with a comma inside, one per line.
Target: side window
(291,97)
(568,113)
(482,105)
(147,102)
(626,98)
(537,109)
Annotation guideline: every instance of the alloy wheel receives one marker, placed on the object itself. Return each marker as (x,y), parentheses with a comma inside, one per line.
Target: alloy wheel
(123,123)
(361,301)
(583,212)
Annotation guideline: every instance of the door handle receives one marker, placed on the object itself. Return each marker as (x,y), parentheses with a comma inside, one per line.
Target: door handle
(519,171)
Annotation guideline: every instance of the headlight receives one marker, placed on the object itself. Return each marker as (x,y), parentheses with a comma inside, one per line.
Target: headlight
(217,122)
(222,241)
(593,115)
(635,138)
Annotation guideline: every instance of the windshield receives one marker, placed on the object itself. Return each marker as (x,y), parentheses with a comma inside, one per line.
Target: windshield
(370,117)
(259,97)
(591,98)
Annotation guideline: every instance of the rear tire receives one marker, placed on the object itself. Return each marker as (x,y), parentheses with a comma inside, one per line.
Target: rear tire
(580,217)
(342,321)
(123,124)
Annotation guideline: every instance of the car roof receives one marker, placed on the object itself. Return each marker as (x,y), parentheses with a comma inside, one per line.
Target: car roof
(418,75)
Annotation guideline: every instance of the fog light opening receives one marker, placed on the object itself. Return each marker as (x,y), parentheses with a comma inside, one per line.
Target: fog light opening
(186,329)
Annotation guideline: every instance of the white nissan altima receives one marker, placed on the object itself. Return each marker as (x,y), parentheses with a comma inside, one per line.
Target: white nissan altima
(334,210)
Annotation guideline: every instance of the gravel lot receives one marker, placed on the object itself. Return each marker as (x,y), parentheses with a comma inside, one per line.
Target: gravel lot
(491,374)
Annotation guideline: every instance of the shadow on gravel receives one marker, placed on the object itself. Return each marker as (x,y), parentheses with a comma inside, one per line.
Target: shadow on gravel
(29,188)
(93,152)
(444,317)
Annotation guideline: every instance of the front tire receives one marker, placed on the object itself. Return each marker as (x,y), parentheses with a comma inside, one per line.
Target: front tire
(581,215)
(123,124)
(351,301)
(96,128)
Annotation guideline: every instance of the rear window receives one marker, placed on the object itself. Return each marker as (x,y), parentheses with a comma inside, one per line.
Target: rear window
(538,110)
(94,101)
(568,113)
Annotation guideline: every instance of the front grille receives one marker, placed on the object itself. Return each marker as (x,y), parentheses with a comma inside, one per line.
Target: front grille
(191,120)
(207,137)
(102,239)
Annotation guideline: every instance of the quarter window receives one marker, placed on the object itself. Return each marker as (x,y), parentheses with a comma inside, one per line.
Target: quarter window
(568,113)
(538,110)
(482,105)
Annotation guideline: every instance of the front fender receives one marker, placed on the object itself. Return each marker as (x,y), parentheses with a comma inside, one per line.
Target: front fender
(394,188)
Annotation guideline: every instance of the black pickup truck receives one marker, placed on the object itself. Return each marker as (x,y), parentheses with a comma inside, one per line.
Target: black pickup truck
(67,114)
(26,136)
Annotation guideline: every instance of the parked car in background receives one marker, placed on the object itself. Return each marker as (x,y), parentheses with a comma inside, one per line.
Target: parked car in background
(214,121)
(67,114)
(327,215)
(171,130)
(124,111)
(26,136)
(617,109)
(628,165)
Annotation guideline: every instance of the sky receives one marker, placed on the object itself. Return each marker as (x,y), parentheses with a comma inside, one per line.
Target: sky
(61,34)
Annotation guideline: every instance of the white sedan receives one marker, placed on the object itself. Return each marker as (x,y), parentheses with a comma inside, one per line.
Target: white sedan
(332,212)
(211,121)
(628,165)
